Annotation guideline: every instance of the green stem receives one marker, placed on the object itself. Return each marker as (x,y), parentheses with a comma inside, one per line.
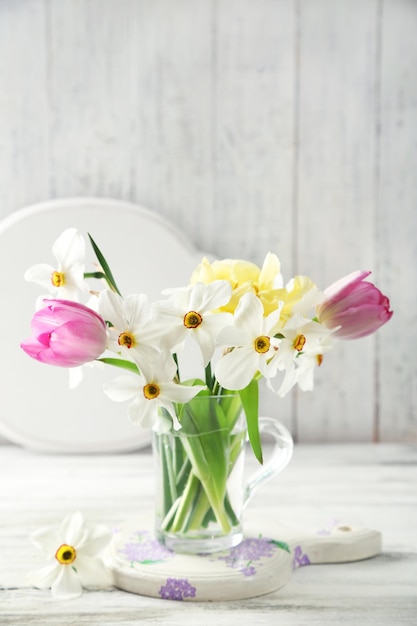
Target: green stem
(170,470)
(209,486)
(185,505)
(97,275)
(199,512)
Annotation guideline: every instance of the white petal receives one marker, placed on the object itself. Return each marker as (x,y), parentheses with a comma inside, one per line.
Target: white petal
(249,315)
(236,369)
(231,336)
(215,295)
(93,573)
(167,312)
(97,538)
(47,539)
(215,322)
(272,320)
(111,308)
(69,248)
(179,393)
(123,388)
(159,369)
(67,585)
(138,309)
(142,411)
(74,276)
(44,578)
(206,343)
(179,297)
(141,354)
(290,379)
(41,275)
(72,529)
(174,338)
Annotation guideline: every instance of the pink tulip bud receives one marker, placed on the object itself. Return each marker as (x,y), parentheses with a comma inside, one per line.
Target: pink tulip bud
(358,307)
(66,334)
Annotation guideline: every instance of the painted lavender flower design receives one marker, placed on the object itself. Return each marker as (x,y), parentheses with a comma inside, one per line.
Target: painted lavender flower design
(144,549)
(177,589)
(300,559)
(250,551)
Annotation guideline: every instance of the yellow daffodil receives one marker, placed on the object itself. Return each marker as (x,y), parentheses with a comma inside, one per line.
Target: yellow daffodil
(244,277)
(298,296)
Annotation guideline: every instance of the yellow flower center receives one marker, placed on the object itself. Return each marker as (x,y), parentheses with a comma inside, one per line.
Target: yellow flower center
(57,279)
(126,339)
(151,391)
(319,358)
(262,344)
(66,554)
(192,319)
(299,343)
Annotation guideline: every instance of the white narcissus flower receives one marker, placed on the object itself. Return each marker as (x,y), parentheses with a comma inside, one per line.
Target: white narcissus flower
(250,342)
(153,388)
(303,343)
(72,550)
(131,332)
(66,279)
(193,311)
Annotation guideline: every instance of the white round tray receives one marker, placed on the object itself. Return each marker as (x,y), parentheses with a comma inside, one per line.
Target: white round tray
(37,408)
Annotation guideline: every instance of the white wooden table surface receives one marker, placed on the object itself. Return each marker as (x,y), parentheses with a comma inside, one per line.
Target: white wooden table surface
(372,486)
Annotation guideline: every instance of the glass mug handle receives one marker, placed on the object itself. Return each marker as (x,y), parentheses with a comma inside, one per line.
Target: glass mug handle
(280,457)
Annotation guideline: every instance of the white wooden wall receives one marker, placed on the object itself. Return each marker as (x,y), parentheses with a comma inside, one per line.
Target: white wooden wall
(282,125)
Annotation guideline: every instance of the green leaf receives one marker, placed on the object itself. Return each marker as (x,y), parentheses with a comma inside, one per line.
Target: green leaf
(282,545)
(250,401)
(104,265)
(127,365)
(192,382)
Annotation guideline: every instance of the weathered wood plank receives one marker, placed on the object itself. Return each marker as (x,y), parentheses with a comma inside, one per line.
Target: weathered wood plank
(23,105)
(89,98)
(171,119)
(254,102)
(335,212)
(397,221)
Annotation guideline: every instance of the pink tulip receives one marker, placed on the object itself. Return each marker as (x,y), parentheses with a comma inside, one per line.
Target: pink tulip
(358,307)
(66,334)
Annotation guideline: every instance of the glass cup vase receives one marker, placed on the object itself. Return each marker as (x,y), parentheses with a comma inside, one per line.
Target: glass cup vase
(201,491)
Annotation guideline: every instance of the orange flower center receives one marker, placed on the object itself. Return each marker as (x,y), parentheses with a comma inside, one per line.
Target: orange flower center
(192,319)
(299,343)
(151,391)
(126,339)
(262,344)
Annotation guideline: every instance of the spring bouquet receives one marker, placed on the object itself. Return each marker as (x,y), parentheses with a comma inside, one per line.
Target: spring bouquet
(245,324)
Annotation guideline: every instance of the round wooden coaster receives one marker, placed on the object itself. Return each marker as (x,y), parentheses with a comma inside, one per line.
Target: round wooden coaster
(140,564)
